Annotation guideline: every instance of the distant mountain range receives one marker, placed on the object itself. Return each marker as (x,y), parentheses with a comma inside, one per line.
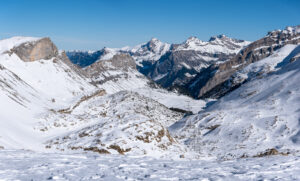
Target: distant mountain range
(196,68)
(172,66)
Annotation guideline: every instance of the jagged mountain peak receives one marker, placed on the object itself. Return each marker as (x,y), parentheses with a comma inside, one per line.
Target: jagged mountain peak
(150,51)
(219,37)
(154,45)
(193,39)
(216,44)
(290,30)
(154,40)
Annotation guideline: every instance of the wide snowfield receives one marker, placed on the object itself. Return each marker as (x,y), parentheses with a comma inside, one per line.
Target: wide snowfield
(26,165)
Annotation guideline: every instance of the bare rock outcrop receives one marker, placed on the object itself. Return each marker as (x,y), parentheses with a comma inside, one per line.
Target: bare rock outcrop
(36,50)
(117,62)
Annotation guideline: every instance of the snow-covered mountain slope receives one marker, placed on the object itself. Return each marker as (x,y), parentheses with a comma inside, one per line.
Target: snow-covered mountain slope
(30,88)
(149,52)
(259,118)
(279,58)
(216,45)
(7,44)
(119,73)
(44,97)
(215,81)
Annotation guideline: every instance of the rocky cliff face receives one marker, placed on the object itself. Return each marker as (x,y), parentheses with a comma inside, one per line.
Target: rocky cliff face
(118,67)
(118,62)
(216,81)
(36,50)
(43,49)
(184,61)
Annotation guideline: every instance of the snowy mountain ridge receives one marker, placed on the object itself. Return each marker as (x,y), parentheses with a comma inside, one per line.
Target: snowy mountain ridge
(172,66)
(216,80)
(216,44)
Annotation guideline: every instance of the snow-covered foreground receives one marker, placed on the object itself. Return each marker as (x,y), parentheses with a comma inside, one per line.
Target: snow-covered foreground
(26,165)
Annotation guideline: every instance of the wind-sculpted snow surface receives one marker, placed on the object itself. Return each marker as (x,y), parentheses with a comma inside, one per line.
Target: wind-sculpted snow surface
(261,117)
(26,165)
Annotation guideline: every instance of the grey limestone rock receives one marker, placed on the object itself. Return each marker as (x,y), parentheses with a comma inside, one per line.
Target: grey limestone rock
(32,51)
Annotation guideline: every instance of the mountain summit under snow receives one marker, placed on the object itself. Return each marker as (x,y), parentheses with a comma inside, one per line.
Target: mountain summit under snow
(216,44)
(150,51)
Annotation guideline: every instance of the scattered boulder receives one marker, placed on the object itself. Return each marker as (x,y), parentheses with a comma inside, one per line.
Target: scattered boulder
(270,152)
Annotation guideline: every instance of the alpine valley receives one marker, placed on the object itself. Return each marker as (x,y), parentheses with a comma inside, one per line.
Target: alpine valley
(218,109)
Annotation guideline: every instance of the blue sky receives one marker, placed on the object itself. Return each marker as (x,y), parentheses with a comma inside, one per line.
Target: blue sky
(93,24)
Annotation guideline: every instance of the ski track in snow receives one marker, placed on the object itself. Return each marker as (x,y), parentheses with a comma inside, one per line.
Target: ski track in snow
(26,165)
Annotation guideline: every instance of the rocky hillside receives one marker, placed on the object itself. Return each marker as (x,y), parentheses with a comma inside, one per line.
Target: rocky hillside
(259,118)
(184,61)
(120,73)
(216,80)
(122,123)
